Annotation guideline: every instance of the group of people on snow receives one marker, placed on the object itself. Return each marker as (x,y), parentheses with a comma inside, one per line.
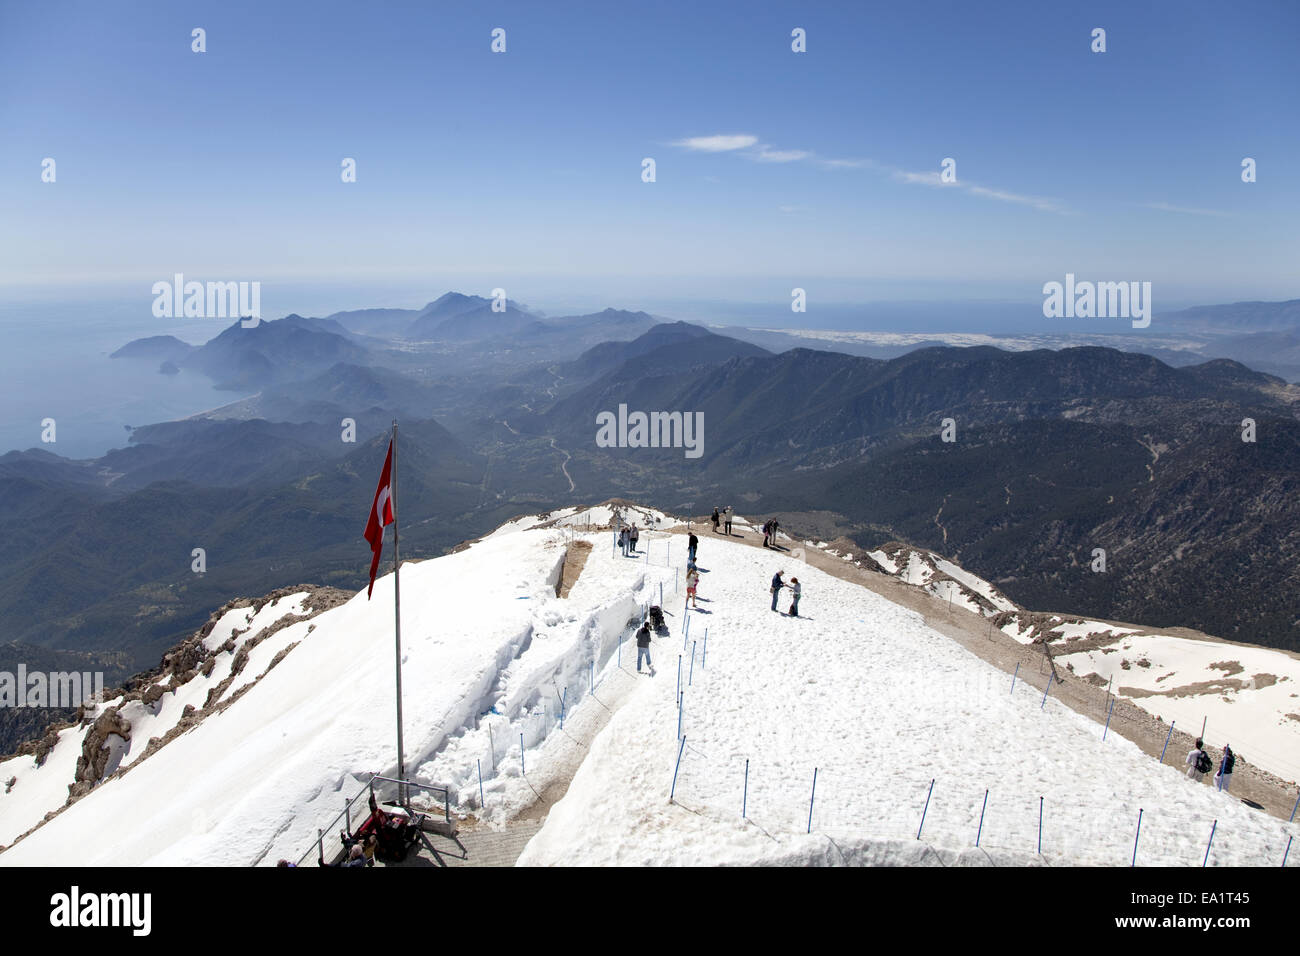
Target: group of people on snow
(627,537)
(1199,763)
(721,517)
(796,590)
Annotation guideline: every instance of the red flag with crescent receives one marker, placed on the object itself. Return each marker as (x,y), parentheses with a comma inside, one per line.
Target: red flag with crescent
(381,515)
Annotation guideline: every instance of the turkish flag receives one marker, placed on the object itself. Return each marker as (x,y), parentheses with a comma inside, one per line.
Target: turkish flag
(381,515)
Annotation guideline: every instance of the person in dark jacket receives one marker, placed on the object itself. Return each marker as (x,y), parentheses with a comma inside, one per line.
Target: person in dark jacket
(715,520)
(777,585)
(633,537)
(643,648)
(692,544)
(1224,777)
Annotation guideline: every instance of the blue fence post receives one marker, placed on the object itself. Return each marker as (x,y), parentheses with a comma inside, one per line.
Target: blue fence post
(690,676)
(1287,853)
(522,771)
(673,791)
(481,802)
(1040,826)
(980,831)
(744,800)
(926,810)
(1045,690)
(811,799)
(681,698)
(1014,676)
(1110,711)
(1293,809)
(1136,836)
(1167,736)
(1206,861)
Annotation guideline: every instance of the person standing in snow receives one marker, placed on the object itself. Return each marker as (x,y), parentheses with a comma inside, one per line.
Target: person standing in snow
(767,531)
(714,519)
(692,582)
(1198,761)
(622,541)
(775,524)
(796,589)
(692,543)
(1224,777)
(777,585)
(634,536)
(643,648)
(726,520)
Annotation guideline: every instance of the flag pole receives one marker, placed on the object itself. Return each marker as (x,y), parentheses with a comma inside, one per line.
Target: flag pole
(397,615)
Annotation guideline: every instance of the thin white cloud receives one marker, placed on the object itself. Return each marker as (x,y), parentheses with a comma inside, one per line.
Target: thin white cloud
(1188,210)
(766,154)
(933,178)
(721,143)
(792,209)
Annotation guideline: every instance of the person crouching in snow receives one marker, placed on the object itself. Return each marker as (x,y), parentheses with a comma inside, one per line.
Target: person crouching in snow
(777,585)
(692,582)
(643,648)
(1224,777)
(796,589)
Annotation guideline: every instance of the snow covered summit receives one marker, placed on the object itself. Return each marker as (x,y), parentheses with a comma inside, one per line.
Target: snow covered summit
(519,663)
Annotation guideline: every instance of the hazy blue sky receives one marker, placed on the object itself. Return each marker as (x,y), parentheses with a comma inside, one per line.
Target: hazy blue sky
(523,169)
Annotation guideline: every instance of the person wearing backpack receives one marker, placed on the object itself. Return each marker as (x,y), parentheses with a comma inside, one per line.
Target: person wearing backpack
(643,649)
(1198,762)
(1224,777)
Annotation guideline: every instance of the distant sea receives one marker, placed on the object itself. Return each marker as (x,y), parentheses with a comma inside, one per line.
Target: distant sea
(54,363)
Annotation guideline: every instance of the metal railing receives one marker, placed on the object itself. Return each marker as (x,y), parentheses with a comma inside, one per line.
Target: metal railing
(402,787)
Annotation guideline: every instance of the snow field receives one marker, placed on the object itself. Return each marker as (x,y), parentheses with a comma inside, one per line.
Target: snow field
(863,691)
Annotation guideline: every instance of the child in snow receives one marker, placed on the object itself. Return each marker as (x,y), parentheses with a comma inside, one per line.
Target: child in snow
(777,585)
(643,648)
(692,582)
(1194,771)
(796,589)
(1224,777)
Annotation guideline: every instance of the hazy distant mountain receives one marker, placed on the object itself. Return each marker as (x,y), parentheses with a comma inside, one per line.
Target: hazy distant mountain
(466,318)
(155,348)
(665,346)
(1237,317)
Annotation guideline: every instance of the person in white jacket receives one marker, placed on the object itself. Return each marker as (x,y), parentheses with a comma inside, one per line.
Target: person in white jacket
(1193,758)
